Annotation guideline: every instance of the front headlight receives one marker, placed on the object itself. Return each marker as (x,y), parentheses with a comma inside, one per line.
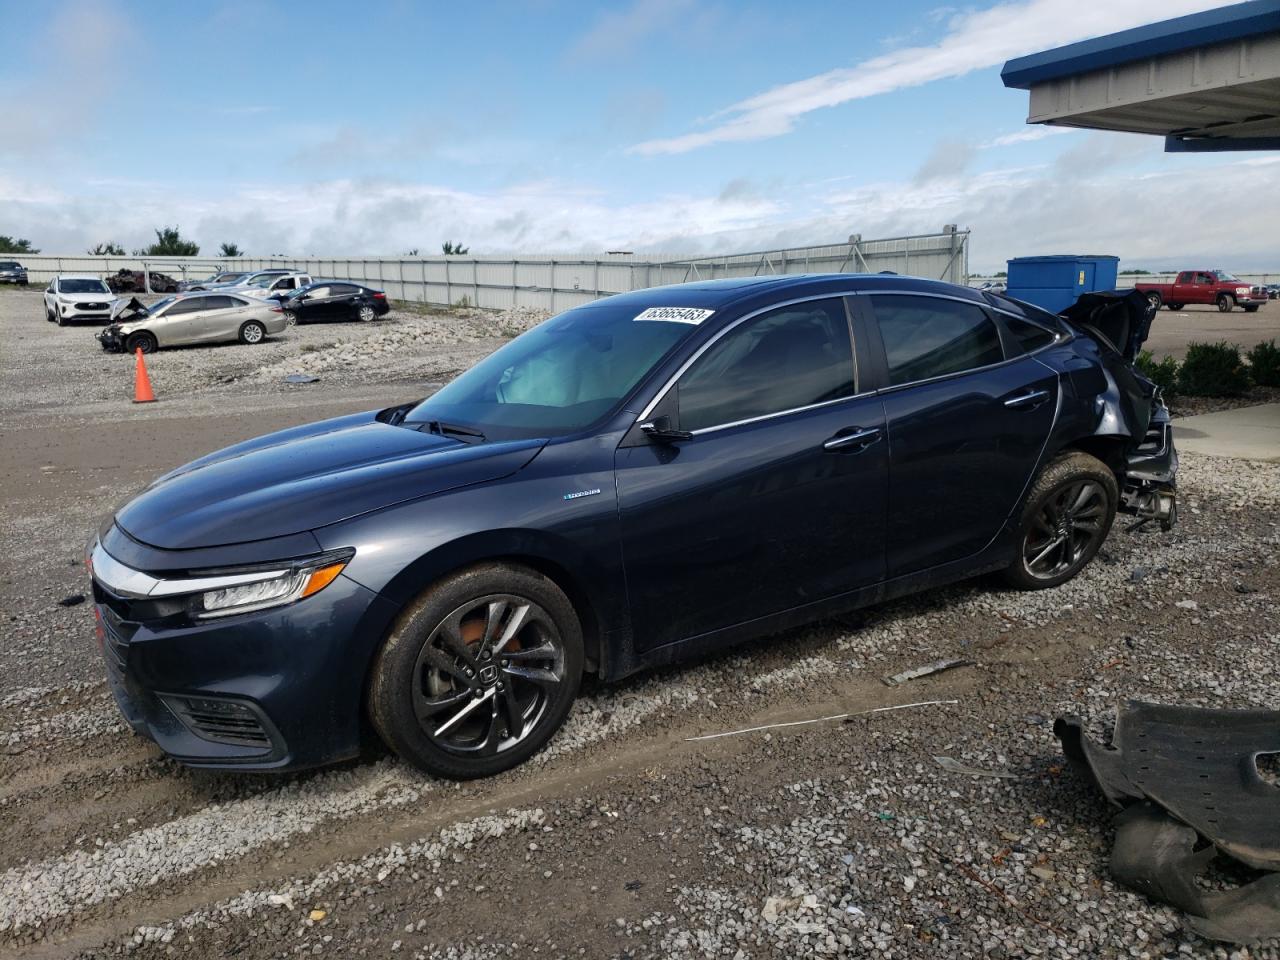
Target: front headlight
(274,589)
(1242,291)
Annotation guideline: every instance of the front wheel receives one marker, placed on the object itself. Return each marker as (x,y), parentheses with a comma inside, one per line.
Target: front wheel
(252,332)
(479,673)
(1067,516)
(145,342)
(1225,304)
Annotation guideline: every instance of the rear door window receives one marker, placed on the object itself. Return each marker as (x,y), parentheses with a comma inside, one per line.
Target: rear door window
(343,290)
(786,359)
(927,337)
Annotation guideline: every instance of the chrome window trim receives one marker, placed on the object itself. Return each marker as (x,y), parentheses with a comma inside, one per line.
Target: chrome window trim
(1059,336)
(122,579)
(680,371)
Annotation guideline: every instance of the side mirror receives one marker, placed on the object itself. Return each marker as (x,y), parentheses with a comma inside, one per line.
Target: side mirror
(659,430)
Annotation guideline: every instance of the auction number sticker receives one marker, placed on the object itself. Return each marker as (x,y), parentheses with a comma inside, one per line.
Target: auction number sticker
(676,314)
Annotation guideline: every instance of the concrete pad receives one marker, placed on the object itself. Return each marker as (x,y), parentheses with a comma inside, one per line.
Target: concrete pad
(1246,433)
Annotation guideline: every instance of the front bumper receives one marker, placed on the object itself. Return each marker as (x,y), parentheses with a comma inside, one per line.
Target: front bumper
(274,689)
(1149,490)
(111,338)
(19,278)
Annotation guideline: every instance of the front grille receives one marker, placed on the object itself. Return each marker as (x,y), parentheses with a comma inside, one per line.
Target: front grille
(91,306)
(220,720)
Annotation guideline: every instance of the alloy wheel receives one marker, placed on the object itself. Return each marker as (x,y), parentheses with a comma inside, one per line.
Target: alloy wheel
(1154,300)
(252,333)
(1065,528)
(290,318)
(486,675)
(366,314)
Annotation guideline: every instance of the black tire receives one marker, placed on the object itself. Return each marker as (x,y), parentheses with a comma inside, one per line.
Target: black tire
(142,340)
(58,318)
(1174,306)
(1052,513)
(366,314)
(1154,298)
(251,332)
(1251,309)
(421,672)
(1225,303)
(48,315)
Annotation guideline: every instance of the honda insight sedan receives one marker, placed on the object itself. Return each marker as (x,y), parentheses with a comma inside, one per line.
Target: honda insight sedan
(640,479)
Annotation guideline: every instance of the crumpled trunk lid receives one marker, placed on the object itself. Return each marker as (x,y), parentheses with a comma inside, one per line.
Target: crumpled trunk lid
(1122,318)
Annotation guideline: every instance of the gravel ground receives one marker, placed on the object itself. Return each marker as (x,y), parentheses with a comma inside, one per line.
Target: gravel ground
(624,838)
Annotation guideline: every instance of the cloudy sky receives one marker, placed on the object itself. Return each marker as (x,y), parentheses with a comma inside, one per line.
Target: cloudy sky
(554,126)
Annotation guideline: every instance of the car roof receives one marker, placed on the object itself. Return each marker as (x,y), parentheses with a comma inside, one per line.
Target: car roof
(723,293)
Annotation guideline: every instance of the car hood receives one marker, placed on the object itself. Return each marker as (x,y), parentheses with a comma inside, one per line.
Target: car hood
(309,477)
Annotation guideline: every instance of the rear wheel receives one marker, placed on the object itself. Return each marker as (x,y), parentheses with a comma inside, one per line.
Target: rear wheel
(1067,516)
(1154,298)
(1225,303)
(251,331)
(479,673)
(365,314)
(145,342)
(290,318)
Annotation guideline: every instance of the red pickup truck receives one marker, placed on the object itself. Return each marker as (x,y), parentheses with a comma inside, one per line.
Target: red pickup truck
(1205,286)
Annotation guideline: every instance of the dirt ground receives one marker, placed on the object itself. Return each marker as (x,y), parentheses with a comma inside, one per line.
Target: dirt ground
(1172,331)
(625,838)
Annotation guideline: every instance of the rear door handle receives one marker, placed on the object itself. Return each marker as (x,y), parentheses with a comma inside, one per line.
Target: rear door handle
(1032,398)
(856,439)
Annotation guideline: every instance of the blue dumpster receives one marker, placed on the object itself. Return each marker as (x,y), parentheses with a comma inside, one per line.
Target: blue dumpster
(1054,283)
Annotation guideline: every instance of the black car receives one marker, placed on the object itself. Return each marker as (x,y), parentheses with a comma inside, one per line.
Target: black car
(334,300)
(643,478)
(13,272)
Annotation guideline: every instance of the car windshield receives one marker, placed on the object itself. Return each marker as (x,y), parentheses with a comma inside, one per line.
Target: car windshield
(76,285)
(263,281)
(157,307)
(1228,278)
(558,378)
(8,265)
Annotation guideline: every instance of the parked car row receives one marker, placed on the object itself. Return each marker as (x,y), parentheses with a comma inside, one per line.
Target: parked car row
(262,306)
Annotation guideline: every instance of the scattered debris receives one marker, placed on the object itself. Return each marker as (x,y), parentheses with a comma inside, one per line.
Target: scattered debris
(281,900)
(301,378)
(938,666)
(1187,605)
(74,600)
(1044,873)
(836,716)
(955,766)
(317,915)
(1182,774)
(1245,588)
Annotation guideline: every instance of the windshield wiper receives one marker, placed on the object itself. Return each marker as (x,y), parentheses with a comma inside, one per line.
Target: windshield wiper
(452,429)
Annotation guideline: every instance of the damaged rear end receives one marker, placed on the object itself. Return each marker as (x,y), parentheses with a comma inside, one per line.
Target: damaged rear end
(1130,405)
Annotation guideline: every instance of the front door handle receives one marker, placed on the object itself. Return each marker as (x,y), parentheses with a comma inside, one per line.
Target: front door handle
(857,438)
(1032,398)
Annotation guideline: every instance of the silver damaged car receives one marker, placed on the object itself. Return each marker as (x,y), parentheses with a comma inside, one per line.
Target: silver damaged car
(191,318)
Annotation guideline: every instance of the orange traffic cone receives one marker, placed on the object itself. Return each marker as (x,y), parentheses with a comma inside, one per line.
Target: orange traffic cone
(141,382)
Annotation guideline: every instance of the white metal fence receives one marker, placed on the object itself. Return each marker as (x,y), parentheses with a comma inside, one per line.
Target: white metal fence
(553,282)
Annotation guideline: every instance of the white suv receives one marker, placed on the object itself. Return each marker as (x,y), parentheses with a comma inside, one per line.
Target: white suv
(77,297)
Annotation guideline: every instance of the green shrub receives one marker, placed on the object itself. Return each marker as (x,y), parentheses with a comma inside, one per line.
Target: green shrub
(1163,374)
(1264,364)
(1213,370)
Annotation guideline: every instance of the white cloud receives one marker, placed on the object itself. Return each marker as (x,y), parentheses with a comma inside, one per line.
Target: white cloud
(974,40)
(1028,135)
(616,33)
